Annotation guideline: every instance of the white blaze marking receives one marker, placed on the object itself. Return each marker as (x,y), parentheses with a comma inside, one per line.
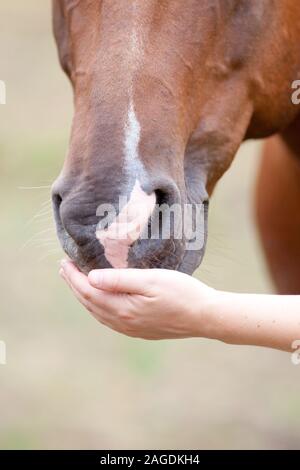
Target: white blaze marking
(135,45)
(132,125)
(132,135)
(133,217)
(127,227)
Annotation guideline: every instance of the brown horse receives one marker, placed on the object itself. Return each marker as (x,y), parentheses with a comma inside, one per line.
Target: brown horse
(165,92)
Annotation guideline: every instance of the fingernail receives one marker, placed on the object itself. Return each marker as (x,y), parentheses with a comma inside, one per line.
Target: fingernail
(95,277)
(63,263)
(61,272)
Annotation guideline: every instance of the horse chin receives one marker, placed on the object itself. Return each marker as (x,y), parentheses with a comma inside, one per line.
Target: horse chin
(91,257)
(187,263)
(191,261)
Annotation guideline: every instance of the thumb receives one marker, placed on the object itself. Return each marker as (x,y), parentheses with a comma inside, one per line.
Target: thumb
(130,281)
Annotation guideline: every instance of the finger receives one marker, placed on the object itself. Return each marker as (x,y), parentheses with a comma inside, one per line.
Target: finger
(97,313)
(107,319)
(130,281)
(89,296)
(77,279)
(78,296)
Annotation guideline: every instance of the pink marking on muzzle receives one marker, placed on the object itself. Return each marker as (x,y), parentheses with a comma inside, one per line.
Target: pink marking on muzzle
(127,227)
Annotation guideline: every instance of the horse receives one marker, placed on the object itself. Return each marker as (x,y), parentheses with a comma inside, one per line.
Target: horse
(165,92)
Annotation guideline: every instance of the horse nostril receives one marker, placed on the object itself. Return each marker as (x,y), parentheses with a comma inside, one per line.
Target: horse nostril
(57,200)
(161,197)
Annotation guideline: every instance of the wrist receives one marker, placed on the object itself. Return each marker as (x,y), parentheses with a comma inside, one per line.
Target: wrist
(212,318)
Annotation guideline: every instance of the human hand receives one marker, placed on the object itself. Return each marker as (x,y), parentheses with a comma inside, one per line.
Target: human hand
(149,304)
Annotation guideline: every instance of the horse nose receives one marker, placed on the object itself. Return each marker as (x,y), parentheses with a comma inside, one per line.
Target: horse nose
(75,218)
(56,203)
(121,238)
(125,226)
(127,234)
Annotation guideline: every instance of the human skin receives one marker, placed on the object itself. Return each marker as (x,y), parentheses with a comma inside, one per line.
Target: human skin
(163,304)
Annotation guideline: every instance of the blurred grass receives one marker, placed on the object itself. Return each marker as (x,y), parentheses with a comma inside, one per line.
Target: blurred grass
(70,383)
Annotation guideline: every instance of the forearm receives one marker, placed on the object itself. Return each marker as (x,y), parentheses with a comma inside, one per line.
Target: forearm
(263,320)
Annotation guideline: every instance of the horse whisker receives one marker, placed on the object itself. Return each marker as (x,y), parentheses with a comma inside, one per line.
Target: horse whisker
(34,187)
(49,253)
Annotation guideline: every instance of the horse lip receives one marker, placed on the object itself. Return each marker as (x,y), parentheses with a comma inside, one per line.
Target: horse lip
(182,259)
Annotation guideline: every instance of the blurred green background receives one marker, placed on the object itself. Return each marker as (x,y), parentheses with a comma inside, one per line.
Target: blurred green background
(71,383)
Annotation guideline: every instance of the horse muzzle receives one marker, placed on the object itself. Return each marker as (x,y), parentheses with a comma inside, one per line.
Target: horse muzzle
(147,228)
